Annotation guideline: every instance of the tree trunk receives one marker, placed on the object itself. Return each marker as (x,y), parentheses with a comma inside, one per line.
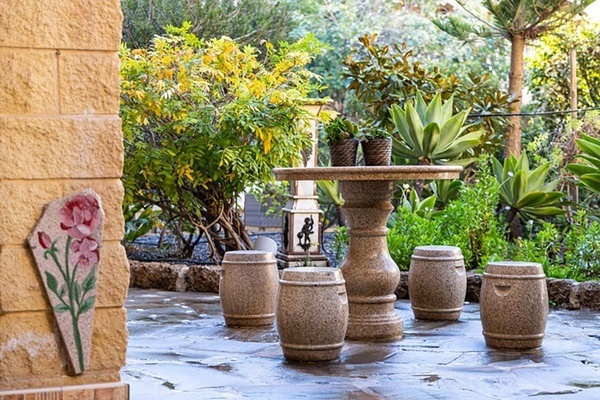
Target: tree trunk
(515,88)
(419,183)
(514,224)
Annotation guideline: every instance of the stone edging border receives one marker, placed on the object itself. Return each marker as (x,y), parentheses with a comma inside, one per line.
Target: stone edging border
(180,277)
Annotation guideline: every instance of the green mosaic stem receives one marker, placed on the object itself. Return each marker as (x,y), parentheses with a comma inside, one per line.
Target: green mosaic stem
(74,317)
(77,336)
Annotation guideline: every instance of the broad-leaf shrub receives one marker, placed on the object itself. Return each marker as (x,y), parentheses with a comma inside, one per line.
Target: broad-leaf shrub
(543,248)
(384,74)
(471,223)
(204,120)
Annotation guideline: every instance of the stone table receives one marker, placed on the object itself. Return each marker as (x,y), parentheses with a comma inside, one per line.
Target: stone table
(370,273)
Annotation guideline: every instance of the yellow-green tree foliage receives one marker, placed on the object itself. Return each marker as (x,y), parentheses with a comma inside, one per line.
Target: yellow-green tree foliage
(204,120)
(549,67)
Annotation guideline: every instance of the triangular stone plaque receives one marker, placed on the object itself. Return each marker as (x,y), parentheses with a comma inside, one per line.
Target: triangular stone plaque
(66,245)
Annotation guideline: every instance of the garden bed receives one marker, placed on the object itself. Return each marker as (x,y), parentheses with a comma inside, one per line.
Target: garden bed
(183,277)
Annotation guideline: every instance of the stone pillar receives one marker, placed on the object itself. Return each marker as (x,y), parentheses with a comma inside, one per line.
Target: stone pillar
(302,234)
(59,132)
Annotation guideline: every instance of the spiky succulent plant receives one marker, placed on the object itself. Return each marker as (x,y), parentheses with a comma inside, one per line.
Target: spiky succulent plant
(589,174)
(431,134)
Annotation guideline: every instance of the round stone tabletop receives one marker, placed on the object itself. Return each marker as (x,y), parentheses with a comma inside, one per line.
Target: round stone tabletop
(362,173)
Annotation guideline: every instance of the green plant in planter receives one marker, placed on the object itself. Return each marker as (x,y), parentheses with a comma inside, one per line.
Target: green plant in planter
(376,143)
(524,192)
(338,130)
(589,174)
(431,134)
(373,132)
(340,136)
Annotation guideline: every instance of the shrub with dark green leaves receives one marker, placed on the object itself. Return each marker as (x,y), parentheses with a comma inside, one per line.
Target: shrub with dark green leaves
(381,75)
(246,21)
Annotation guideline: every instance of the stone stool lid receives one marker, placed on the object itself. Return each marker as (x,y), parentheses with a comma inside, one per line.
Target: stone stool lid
(312,274)
(438,251)
(518,268)
(248,256)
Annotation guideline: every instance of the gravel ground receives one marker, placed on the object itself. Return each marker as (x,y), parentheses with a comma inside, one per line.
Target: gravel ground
(145,248)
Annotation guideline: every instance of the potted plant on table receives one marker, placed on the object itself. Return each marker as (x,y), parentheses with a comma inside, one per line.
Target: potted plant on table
(340,136)
(376,144)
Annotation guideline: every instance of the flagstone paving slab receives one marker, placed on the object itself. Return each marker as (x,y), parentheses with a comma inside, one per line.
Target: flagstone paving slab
(180,348)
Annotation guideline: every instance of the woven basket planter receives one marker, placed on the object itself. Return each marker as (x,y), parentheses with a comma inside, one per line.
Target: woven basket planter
(377,151)
(343,154)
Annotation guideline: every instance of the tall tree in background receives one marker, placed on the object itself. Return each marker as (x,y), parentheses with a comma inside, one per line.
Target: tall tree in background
(245,21)
(520,22)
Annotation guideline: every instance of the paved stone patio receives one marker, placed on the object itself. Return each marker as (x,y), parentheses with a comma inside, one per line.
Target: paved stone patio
(179,348)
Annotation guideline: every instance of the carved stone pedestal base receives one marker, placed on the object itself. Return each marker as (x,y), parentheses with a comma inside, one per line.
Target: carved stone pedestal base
(371,274)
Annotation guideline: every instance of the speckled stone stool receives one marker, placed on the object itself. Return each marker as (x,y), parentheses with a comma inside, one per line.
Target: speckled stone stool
(248,288)
(514,305)
(312,313)
(437,283)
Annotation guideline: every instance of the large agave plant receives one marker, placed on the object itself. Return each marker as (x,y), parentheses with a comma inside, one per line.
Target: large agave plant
(525,192)
(589,174)
(430,134)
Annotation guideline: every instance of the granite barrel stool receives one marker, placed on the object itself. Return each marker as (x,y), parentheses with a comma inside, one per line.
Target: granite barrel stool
(248,288)
(312,313)
(514,305)
(437,283)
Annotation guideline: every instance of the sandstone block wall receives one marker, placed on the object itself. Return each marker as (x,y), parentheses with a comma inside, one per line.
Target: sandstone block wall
(59,132)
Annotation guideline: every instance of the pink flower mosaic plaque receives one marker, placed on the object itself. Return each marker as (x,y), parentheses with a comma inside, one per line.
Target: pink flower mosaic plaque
(66,246)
